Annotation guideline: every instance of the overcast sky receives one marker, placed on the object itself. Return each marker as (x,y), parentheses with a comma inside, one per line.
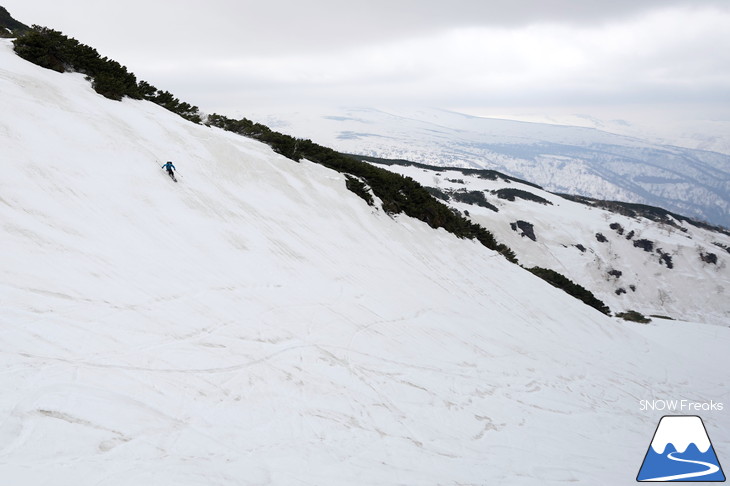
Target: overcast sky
(623,56)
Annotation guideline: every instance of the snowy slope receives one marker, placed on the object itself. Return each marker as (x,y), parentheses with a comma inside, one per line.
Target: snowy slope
(619,266)
(259,324)
(575,160)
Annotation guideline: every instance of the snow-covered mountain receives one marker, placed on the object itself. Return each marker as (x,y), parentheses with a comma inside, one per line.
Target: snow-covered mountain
(576,160)
(657,264)
(710,135)
(258,323)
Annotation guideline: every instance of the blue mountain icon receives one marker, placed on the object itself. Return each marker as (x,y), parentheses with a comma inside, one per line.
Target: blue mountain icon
(681,451)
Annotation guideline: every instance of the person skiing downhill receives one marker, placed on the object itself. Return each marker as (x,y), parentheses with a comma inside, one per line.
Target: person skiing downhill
(169,167)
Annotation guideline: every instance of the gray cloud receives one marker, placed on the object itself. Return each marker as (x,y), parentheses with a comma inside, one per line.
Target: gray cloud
(489,53)
(277,26)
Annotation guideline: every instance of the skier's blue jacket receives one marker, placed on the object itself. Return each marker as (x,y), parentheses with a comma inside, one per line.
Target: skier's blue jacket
(168,165)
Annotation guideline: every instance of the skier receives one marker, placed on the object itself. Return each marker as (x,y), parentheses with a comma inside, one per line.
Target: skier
(168,165)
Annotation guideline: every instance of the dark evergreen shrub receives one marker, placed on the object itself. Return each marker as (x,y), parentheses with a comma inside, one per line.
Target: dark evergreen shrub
(437,193)
(633,316)
(646,245)
(511,194)
(601,238)
(708,258)
(53,50)
(564,283)
(618,228)
(525,229)
(44,47)
(474,198)
(358,187)
(720,245)
(665,258)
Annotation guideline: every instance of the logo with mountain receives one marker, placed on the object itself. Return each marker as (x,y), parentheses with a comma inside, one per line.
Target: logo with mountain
(681,451)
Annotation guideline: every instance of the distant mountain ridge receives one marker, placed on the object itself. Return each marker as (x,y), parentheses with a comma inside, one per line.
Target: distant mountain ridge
(575,160)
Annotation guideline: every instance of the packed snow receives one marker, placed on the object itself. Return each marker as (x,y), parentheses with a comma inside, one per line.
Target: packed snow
(256,323)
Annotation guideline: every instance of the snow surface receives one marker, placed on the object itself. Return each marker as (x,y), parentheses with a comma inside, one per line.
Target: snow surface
(258,324)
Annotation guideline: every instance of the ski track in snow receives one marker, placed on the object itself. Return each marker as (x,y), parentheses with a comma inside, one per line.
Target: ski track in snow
(257,323)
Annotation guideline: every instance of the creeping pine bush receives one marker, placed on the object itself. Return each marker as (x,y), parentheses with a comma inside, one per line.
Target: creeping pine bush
(474,198)
(644,244)
(617,227)
(665,258)
(633,316)
(53,50)
(564,283)
(511,194)
(437,193)
(525,229)
(708,258)
(615,273)
(358,187)
(720,245)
